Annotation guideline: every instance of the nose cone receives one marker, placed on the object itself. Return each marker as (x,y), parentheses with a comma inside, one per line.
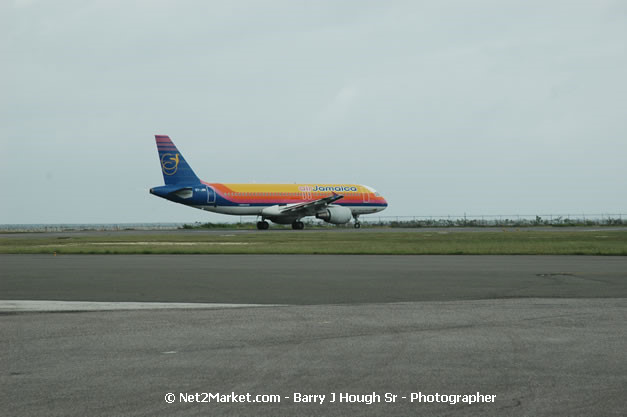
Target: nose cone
(383,203)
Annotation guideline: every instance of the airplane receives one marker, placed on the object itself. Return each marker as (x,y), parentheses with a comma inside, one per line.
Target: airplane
(279,203)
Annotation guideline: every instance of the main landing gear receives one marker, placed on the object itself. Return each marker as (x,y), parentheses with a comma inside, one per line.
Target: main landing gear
(296,225)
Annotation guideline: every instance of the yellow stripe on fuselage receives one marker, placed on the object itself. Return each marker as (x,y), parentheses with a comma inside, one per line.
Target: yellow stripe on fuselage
(296,188)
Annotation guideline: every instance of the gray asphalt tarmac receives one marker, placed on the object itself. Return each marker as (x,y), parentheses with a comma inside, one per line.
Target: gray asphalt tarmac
(545,335)
(307,279)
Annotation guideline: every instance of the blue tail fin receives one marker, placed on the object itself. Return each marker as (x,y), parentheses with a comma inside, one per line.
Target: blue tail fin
(174,167)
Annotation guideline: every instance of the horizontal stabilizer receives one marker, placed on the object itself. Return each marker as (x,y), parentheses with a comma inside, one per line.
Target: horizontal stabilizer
(168,190)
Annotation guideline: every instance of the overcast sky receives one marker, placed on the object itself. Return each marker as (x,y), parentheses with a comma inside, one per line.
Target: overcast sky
(445,107)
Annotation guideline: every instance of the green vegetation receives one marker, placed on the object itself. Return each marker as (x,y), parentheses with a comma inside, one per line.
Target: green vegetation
(405,223)
(444,242)
(247,225)
(491,221)
(253,225)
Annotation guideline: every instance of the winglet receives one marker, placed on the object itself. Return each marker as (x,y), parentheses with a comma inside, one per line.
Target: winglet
(335,197)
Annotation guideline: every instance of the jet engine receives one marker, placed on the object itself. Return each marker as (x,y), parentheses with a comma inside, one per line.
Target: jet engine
(335,215)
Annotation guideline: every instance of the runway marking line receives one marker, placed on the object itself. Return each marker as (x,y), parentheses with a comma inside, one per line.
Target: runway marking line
(146,243)
(18,306)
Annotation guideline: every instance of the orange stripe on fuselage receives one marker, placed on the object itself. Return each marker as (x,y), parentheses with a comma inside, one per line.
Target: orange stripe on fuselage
(290,193)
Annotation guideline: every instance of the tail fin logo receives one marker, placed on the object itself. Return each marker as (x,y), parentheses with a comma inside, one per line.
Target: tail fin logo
(169,163)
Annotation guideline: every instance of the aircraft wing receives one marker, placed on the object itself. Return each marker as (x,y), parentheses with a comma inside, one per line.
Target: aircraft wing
(310,208)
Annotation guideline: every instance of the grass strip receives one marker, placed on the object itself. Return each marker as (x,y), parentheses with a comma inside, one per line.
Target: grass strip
(323,242)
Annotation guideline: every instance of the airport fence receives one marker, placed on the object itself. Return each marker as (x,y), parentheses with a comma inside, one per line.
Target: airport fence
(17,228)
(498,220)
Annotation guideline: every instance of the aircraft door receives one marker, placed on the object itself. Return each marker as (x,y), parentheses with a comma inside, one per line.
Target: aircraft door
(366,195)
(211,195)
(203,195)
(306,192)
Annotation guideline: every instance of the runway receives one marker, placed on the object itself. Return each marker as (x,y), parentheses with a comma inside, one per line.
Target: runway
(545,335)
(307,279)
